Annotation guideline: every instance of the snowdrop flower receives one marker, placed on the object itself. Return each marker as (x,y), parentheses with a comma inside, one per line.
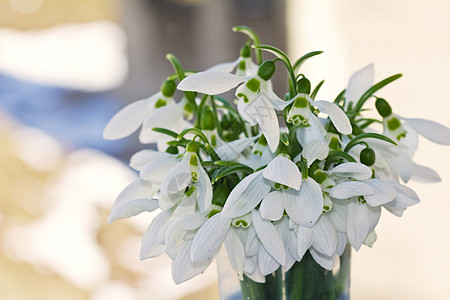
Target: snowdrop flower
(257,102)
(405,132)
(321,240)
(131,117)
(186,184)
(300,113)
(245,65)
(365,199)
(270,249)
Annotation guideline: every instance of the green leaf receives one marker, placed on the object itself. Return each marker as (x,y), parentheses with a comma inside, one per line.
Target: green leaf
(316,90)
(302,59)
(196,131)
(181,75)
(219,174)
(373,89)
(339,97)
(336,155)
(358,139)
(165,131)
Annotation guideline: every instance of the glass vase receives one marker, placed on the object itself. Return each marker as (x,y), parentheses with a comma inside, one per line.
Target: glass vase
(306,280)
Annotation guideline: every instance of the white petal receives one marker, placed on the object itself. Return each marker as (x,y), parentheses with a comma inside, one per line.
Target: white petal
(211,83)
(351,169)
(266,262)
(314,132)
(357,223)
(226,67)
(424,174)
(350,189)
(269,237)
(246,112)
(250,263)
(150,246)
(143,157)
(232,150)
(262,111)
(342,242)
(127,120)
(156,170)
(277,102)
(304,239)
(252,242)
(272,206)
(176,179)
(235,251)
(403,165)
(338,215)
(134,199)
(324,237)
(433,131)
(383,192)
(256,276)
(176,232)
(327,262)
(359,83)
(374,217)
(204,190)
(163,117)
(306,206)
(336,114)
(405,197)
(284,171)
(291,243)
(315,150)
(183,268)
(246,195)
(209,237)
(371,239)
(132,208)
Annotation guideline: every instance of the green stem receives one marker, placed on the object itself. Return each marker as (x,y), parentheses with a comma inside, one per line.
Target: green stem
(272,289)
(190,96)
(254,37)
(285,59)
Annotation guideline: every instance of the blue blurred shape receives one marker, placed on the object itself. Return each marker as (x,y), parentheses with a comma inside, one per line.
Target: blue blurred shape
(75,118)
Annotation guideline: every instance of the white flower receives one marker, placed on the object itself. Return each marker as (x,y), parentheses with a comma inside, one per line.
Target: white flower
(300,113)
(186,182)
(363,206)
(257,102)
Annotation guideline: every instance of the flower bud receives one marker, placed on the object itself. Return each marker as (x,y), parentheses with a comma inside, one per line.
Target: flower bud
(192,146)
(168,88)
(266,70)
(172,150)
(304,86)
(207,120)
(383,107)
(367,156)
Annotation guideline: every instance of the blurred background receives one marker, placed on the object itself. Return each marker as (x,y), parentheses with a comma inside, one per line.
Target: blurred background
(66,66)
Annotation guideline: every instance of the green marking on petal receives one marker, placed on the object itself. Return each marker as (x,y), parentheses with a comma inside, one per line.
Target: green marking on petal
(160,103)
(244,97)
(193,161)
(301,102)
(393,123)
(253,85)
(242,66)
(190,191)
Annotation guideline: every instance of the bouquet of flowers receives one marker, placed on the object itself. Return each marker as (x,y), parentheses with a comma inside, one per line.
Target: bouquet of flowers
(288,184)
